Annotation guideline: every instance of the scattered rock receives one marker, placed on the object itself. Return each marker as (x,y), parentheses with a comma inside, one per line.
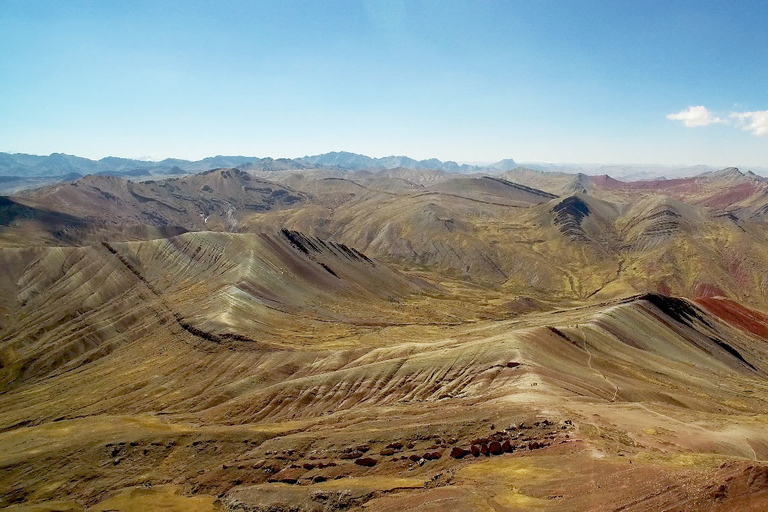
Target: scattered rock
(366,461)
(495,448)
(271,469)
(459,453)
(331,500)
(287,476)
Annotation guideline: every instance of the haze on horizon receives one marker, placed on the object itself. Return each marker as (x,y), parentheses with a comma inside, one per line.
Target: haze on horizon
(562,81)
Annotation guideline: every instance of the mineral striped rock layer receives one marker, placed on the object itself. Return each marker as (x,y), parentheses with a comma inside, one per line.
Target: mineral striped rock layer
(280,338)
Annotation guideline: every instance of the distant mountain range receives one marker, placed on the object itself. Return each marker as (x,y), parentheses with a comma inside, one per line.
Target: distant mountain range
(19,171)
(354,161)
(60,164)
(63,165)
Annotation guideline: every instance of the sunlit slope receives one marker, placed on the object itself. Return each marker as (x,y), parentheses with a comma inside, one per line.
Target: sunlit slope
(261,355)
(649,348)
(428,230)
(601,239)
(630,361)
(67,306)
(213,200)
(492,190)
(573,247)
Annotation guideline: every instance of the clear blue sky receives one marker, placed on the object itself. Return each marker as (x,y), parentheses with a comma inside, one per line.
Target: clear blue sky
(562,81)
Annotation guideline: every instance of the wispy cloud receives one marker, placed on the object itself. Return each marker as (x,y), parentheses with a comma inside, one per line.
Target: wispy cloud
(755,122)
(696,116)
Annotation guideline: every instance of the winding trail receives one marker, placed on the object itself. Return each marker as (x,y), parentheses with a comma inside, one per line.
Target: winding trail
(641,405)
(589,364)
(754,454)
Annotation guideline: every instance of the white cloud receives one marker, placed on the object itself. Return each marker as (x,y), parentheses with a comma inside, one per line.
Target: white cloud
(696,116)
(755,122)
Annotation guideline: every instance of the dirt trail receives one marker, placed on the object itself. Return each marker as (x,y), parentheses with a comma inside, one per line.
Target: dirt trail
(589,364)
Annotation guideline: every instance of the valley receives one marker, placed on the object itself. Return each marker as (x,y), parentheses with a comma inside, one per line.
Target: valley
(315,338)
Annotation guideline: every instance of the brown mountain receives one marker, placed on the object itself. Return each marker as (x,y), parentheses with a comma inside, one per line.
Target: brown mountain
(284,338)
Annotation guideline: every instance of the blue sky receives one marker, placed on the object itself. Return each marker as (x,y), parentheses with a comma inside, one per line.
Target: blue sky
(560,81)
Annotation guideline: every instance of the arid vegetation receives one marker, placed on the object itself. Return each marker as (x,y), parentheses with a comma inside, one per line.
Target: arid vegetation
(256,339)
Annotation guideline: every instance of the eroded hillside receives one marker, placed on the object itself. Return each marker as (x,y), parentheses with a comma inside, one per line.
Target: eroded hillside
(402,340)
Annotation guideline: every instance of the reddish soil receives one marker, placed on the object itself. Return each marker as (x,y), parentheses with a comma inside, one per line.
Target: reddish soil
(739,274)
(704,289)
(606,182)
(731,195)
(680,185)
(737,315)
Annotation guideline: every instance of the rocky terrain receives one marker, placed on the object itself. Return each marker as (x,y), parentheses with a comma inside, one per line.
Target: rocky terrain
(280,337)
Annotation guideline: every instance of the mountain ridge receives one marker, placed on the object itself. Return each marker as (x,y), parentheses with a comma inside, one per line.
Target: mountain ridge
(36,170)
(59,164)
(256,336)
